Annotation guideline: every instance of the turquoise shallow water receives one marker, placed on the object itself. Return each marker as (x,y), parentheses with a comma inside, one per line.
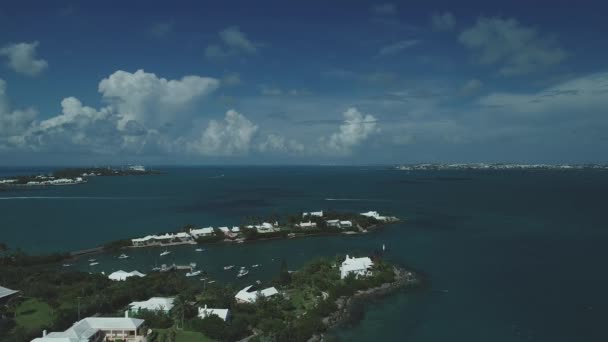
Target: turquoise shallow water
(513,256)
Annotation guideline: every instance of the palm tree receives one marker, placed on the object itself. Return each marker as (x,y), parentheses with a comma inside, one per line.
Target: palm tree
(180,305)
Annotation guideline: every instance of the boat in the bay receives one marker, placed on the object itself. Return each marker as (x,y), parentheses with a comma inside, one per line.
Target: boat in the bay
(94,263)
(229,267)
(242,272)
(166,252)
(123,256)
(256,265)
(193,273)
(199,250)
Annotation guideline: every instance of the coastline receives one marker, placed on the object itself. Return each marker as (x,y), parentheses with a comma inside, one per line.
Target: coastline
(404,279)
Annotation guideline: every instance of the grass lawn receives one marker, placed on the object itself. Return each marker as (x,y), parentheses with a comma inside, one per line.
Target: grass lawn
(186,336)
(33,314)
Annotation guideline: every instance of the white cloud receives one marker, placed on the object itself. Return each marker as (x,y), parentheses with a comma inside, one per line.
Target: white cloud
(443,21)
(234,42)
(586,95)
(278,143)
(22,58)
(13,123)
(232,136)
(397,47)
(385,9)
(471,87)
(355,129)
(516,48)
(151,100)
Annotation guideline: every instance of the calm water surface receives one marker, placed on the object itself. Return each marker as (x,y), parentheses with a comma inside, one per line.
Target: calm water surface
(513,256)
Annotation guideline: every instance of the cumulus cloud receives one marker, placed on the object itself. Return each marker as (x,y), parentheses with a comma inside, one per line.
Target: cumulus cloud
(234,42)
(354,130)
(516,48)
(385,9)
(397,47)
(443,21)
(232,136)
(13,123)
(22,58)
(278,143)
(151,100)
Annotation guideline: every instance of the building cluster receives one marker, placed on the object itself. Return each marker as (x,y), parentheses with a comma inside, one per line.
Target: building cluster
(122,275)
(359,267)
(309,221)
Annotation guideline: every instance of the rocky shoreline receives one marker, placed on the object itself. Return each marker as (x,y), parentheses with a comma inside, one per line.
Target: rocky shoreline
(403,279)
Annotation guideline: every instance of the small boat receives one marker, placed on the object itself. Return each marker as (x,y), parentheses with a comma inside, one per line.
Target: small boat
(66,265)
(193,273)
(203,279)
(94,263)
(226,268)
(123,256)
(383,247)
(258,282)
(92,260)
(256,265)
(156,269)
(199,250)
(166,252)
(242,273)
(211,282)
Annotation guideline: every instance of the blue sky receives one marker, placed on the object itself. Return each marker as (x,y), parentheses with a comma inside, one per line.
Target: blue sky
(346,82)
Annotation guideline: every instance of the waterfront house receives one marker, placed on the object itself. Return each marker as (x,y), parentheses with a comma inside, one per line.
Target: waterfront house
(122,275)
(345,224)
(375,215)
(250,294)
(357,266)
(164,304)
(333,223)
(265,227)
(206,312)
(201,232)
(100,329)
(305,225)
(313,213)
(236,229)
(145,241)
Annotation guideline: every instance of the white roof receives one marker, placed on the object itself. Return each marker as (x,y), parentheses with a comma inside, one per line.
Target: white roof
(205,312)
(224,229)
(5,292)
(307,224)
(202,231)
(346,222)
(313,213)
(153,304)
(144,239)
(236,229)
(250,293)
(122,275)
(355,265)
(332,221)
(82,330)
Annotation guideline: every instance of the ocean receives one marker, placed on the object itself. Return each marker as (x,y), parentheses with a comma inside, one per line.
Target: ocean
(511,255)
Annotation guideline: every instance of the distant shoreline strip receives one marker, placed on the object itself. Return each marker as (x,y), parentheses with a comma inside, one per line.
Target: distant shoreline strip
(75,197)
(355,199)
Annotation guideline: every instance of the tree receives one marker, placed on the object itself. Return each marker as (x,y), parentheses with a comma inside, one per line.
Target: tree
(212,326)
(179,309)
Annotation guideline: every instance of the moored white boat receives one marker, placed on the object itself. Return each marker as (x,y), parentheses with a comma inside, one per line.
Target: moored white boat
(166,252)
(123,256)
(256,265)
(243,272)
(193,273)
(228,267)
(94,263)
(199,250)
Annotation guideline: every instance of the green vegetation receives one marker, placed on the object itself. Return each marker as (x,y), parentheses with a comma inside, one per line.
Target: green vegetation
(52,297)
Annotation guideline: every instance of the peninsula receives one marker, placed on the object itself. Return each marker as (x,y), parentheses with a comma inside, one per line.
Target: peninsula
(70,176)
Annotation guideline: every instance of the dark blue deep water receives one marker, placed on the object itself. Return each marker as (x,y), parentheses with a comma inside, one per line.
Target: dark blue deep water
(512,256)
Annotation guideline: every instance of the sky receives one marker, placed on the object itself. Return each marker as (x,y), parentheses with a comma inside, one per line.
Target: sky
(314,82)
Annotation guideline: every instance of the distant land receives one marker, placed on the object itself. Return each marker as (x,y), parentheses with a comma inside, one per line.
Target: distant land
(499,166)
(70,176)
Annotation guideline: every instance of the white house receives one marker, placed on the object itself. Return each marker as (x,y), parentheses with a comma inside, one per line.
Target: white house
(375,215)
(345,224)
(97,329)
(313,213)
(143,241)
(206,312)
(236,229)
(122,275)
(153,304)
(356,266)
(308,224)
(201,232)
(333,223)
(265,228)
(224,230)
(6,294)
(250,294)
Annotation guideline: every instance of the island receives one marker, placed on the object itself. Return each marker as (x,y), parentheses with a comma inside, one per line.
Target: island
(300,305)
(305,224)
(71,176)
